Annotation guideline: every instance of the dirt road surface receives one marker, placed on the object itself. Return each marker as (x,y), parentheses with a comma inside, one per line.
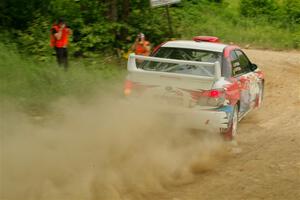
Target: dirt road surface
(98,153)
(268,166)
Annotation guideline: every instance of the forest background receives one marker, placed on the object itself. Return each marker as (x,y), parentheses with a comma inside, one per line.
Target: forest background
(105,29)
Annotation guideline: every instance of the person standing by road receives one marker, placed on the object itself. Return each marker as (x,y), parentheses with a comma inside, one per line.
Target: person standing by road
(141,46)
(59,40)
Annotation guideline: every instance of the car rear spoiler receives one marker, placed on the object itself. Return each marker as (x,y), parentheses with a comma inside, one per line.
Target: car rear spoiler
(131,66)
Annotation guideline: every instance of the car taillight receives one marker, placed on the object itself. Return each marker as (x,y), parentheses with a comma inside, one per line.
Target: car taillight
(214,97)
(127,87)
(136,87)
(214,93)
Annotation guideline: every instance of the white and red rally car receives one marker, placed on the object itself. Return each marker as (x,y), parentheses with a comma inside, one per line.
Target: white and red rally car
(213,85)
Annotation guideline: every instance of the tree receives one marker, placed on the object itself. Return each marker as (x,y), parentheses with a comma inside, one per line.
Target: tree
(252,8)
(292,11)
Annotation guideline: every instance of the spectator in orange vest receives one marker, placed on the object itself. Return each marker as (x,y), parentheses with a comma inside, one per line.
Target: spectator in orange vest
(141,46)
(59,40)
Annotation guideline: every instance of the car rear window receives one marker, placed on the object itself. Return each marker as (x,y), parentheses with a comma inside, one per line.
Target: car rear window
(183,54)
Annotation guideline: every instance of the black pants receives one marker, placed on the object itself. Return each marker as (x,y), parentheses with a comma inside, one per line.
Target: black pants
(62,57)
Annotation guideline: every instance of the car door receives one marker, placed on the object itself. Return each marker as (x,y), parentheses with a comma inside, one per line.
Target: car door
(249,88)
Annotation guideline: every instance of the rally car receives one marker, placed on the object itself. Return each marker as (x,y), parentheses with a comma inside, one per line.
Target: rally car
(212,85)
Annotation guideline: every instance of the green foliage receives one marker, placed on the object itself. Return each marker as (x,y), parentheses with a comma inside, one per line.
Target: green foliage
(291,11)
(35,39)
(17,14)
(154,25)
(99,26)
(110,26)
(254,8)
(95,37)
(231,27)
(286,12)
(296,38)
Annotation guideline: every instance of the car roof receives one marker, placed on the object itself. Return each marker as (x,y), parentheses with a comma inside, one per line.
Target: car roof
(189,44)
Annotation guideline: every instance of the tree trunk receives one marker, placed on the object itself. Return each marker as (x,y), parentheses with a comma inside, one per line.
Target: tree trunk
(113,10)
(126,9)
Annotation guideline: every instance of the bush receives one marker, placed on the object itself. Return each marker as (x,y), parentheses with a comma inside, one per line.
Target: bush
(291,12)
(296,39)
(35,39)
(254,8)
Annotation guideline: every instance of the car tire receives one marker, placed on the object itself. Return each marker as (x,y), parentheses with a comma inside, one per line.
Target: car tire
(231,132)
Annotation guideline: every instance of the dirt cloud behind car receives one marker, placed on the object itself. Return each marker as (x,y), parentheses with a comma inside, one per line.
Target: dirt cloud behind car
(101,150)
(94,151)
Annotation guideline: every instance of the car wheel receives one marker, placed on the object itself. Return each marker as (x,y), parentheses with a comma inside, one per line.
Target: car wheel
(231,132)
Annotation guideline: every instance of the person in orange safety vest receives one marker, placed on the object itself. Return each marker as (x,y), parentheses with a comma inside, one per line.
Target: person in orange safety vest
(59,39)
(141,46)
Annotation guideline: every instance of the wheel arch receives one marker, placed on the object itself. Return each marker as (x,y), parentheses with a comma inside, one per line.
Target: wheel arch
(238,105)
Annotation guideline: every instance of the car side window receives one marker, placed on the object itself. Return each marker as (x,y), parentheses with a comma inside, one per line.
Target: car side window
(244,61)
(235,64)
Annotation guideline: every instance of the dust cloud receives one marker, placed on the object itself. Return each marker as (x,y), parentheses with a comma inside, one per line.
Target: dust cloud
(104,149)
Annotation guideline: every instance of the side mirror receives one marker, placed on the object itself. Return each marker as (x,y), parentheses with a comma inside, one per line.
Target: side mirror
(253,67)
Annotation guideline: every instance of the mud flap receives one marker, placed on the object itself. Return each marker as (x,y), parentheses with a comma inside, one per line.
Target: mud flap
(227,133)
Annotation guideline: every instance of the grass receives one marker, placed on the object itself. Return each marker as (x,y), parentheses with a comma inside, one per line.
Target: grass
(33,86)
(226,23)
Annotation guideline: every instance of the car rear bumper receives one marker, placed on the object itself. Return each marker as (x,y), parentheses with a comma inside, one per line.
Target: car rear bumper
(203,118)
(211,119)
